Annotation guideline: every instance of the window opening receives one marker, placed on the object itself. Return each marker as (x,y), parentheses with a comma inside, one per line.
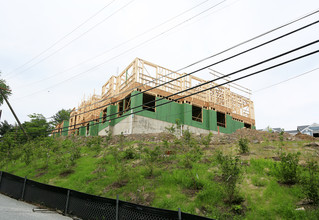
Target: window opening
(146,99)
(197,114)
(104,115)
(221,119)
(87,128)
(246,125)
(127,104)
(74,122)
(120,108)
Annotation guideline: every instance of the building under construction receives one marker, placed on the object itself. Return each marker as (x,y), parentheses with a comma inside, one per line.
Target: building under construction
(133,103)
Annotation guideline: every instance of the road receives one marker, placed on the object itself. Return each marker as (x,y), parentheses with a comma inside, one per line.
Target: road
(11,209)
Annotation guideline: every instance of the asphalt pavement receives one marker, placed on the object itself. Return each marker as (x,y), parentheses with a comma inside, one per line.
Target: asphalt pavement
(11,209)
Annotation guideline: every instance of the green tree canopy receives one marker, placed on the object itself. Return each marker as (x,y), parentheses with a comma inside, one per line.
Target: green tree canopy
(5,90)
(37,126)
(5,127)
(61,116)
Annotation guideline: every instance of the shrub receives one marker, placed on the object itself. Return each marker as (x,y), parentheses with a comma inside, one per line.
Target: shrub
(310,182)
(230,176)
(206,139)
(129,153)
(187,136)
(243,145)
(287,169)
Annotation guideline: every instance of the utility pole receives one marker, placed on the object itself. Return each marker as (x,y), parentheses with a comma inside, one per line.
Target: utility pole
(14,114)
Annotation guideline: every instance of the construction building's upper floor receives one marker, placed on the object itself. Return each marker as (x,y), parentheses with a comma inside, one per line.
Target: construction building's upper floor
(142,75)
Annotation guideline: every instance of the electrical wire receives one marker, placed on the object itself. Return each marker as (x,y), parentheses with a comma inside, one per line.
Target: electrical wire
(302,74)
(210,88)
(112,58)
(204,59)
(78,37)
(215,63)
(119,45)
(62,38)
(202,84)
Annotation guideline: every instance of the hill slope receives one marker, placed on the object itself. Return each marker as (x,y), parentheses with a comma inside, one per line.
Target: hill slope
(203,175)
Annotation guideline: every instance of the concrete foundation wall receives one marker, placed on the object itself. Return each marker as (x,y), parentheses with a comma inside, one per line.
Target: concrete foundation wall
(137,124)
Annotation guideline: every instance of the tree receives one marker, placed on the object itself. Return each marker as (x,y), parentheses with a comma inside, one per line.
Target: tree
(37,126)
(5,90)
(5,127)
(61,116)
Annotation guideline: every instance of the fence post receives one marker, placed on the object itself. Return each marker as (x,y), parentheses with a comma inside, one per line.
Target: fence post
(179,214)
(0,177)
(117,208)
(23,189)
(67,203)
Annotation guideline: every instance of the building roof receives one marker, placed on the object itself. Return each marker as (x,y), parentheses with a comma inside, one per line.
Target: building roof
(314,127)
(300,128)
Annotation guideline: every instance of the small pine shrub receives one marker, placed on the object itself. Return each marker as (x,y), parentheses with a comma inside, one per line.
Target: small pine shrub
(287,169)
(207,139)
(129,153)
(310,182)
(243,145)
(230,175)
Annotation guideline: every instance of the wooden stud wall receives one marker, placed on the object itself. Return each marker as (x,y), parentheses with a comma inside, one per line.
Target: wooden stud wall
(145,75)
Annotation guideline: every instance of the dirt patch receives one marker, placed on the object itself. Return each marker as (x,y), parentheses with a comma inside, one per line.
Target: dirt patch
(142,198)
(190,192)
(115,185)
(273,158)
(269,148)
(304,137)
(313,144)
(66,173)
(40,174)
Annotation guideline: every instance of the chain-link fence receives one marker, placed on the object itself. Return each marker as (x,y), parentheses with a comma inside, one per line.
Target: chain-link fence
(83,205)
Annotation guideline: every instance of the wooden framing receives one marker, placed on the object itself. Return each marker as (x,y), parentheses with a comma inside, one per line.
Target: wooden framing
(146,75)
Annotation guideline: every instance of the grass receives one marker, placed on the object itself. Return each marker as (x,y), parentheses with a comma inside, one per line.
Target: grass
(168,173)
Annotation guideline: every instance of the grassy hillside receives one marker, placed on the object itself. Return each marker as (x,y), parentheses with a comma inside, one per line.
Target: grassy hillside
(204,175)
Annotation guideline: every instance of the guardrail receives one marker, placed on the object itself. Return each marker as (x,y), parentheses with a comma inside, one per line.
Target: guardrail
(82,205)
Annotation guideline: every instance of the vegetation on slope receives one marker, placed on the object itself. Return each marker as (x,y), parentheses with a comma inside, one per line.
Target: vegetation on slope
(246,175)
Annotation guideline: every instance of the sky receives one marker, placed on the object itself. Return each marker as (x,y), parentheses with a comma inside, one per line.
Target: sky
(55,53)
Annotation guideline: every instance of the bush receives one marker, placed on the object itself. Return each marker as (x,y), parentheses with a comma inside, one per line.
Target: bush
(230,176)
(206,139)
(243,145)
(310,182)
(287,169)
(129,153)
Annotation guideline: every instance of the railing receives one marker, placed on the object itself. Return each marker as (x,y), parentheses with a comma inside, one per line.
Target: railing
(82,205)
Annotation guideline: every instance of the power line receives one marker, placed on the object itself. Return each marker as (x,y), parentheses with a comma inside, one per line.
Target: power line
(310,71)
(173,100)
(81,35)
(210,88)
(197,62)
(112,58)
(62,38)
(215,63)
(202,84)
(121,44)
